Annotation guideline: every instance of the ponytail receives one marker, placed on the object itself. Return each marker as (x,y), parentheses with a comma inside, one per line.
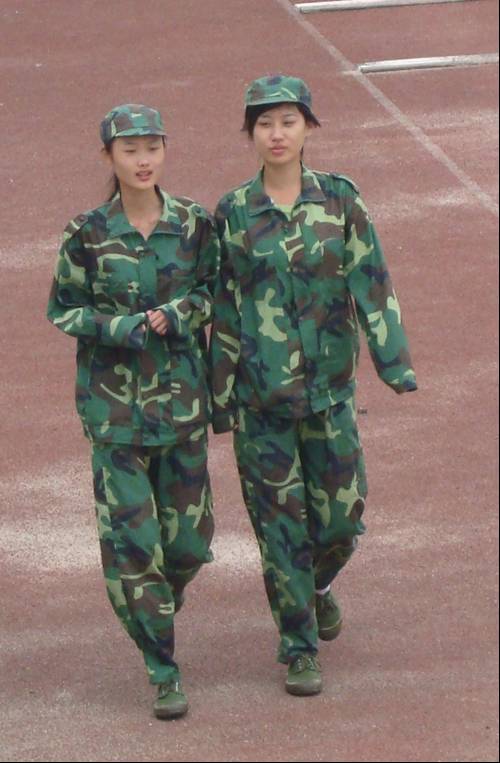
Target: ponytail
(114,187)
(113,183)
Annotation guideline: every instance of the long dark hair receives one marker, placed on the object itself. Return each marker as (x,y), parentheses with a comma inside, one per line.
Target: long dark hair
(252,113)
(113,182)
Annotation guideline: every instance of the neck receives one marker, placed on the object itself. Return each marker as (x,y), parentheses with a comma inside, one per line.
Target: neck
(283,182)
(142,209)
(137,203)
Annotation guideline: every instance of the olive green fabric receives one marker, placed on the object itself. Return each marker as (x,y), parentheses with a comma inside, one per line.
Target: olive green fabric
(278,88)
(304,486)
(131,119)
(135,386)
(292,292)
(155,524)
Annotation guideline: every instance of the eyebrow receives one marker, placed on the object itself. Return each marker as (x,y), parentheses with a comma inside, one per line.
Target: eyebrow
(267,114)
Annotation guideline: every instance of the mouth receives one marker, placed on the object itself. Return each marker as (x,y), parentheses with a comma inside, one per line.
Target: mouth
(144,175)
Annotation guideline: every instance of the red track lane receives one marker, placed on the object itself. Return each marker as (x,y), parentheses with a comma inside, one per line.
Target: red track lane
(414,675)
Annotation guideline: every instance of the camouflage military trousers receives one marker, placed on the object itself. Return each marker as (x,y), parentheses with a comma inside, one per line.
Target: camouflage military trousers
(303,482)
(155,524)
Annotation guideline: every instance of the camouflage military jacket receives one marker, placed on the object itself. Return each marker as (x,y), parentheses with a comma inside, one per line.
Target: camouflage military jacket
(291,291)
(135,386)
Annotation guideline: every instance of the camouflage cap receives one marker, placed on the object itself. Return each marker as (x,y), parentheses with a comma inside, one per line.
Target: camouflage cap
(131,119)
(278,89)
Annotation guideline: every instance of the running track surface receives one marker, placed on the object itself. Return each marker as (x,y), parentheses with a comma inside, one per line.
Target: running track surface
(413,677)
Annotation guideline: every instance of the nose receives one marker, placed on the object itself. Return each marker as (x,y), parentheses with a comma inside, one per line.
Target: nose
(143,160)
(276,133)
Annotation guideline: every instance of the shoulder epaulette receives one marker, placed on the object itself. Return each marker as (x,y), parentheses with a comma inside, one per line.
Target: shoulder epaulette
(75,224)
(234,193)
(226,203)
(347,180)
(193,206)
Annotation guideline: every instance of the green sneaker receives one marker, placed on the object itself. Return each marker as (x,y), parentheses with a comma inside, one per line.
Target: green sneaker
(171,702)
(329,616)
(304,676)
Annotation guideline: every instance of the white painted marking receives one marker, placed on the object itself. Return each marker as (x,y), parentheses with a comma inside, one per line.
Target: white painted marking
(236,553)
(432,62)
(30,254)
(60,533)
(354,5)
(419,135)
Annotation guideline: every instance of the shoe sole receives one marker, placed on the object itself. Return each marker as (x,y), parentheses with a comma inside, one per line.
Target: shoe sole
(329,634)
(303,690)
(166,714)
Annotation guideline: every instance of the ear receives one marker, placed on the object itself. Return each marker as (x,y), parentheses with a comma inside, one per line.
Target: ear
(106,156)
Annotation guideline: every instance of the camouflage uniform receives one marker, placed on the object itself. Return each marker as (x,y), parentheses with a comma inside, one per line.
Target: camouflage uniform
(293,287)
(142,397)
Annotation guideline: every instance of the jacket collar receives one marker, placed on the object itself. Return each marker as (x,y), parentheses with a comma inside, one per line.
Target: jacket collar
(258,200)
(118,225)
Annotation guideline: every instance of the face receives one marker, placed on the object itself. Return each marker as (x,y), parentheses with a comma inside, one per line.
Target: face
(137,161)
(280,133)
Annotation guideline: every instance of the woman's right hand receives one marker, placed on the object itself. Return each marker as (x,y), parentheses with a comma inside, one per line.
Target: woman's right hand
(158,321)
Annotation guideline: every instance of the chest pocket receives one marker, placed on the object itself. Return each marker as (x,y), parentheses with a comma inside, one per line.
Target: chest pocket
(256,276)
(116,280)
(265,240)
(176,265)
(325,259)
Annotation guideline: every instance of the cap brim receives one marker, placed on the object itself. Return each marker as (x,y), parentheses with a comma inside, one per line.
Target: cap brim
(270,101)
(275,102)
(138,132)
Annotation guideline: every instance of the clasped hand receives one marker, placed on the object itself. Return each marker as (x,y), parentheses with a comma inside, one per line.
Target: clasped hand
(158,321)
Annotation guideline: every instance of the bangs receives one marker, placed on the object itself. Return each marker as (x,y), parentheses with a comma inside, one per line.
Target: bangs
(252,113)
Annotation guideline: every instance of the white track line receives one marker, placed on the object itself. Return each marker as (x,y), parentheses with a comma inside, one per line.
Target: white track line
(347,66)
(432,62)
(355,5)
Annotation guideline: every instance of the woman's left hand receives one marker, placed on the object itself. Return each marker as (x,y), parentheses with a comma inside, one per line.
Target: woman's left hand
(158,321)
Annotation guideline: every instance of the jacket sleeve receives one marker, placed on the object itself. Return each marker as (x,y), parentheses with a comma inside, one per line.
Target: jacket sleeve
(225,341)
(376,302)
(71,304)
(193,309)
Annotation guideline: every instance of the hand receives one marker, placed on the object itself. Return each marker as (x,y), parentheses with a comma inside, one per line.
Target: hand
(158,321)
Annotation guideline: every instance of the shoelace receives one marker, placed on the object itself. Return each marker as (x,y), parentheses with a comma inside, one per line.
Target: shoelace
(326,603)
(172,686)
(306,662)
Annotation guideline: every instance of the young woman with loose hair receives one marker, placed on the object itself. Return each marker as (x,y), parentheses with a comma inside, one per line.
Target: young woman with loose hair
(301,270)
